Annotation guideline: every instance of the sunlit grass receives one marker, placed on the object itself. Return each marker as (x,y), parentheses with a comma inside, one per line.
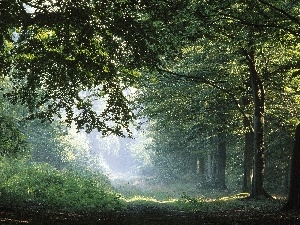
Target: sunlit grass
(160,192)
(139,198)
(233,197)
(230,202)
(186,197)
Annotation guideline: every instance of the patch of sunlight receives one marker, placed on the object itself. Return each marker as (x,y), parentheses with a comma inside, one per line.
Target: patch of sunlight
(139,198)
(171,200)
(279,197)
(232,197)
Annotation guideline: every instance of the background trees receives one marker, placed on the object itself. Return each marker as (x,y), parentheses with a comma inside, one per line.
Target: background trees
(233,47)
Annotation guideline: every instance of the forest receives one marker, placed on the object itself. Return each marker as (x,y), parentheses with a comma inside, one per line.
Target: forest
(149,112)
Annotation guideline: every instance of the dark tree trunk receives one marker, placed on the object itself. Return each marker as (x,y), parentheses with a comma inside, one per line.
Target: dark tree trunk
(287,179)
(293,202)
(258,166)
(210,173)
(201,167)
(220,158)
(248,142)
(258,124)
(248,161)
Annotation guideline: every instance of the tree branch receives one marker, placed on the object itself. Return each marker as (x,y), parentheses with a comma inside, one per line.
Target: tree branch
(292,18)
(259,25)
(35,6)
(213,84)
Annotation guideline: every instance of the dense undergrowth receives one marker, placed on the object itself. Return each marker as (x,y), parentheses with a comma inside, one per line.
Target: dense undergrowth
(38,184)
(25,183)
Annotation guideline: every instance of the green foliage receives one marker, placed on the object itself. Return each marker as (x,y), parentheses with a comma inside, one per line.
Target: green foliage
(79,46)
(202,54)
(24,183)
(44,143)
(12,140)
(207,87)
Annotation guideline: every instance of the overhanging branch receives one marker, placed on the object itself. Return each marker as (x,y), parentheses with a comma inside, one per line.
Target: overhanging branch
(289,16)
(214,84)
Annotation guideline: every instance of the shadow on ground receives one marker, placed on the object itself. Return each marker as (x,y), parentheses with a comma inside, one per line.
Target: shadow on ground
(140,214)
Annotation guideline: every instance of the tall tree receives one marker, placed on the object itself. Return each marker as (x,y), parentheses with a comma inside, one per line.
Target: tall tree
(293,202)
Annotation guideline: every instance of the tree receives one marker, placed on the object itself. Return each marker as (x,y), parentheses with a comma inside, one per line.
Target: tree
(259,30)
(188,127)
(293,202)
(66,47)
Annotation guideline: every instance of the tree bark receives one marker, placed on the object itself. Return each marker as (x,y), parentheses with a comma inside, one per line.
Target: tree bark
(209,167)
(201,166)
(220,162)
(293,202)
(258,124)
(248,160)
(200,169)
(248,141)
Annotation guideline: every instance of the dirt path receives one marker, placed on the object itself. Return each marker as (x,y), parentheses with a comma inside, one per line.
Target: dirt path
(137,214)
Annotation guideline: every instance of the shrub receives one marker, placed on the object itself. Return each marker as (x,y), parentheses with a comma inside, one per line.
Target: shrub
(25,182)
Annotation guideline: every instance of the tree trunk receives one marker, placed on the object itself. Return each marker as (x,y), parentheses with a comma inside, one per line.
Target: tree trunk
(248,142)
(209,168)
(220,162)
(201,166)
(248,161)
(287,179)
(293,202)
(258,124)
(194,164)
(258,167)
(200,169)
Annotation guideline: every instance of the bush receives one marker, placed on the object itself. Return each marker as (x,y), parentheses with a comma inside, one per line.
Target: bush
(23,183)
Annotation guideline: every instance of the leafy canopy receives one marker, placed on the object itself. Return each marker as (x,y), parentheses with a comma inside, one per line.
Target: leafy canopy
(63,49)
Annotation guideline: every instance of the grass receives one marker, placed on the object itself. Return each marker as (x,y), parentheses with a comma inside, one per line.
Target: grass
(23,183)
(231,202)
(186,197)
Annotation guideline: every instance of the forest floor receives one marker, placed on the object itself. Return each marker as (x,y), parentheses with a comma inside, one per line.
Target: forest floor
(137,213)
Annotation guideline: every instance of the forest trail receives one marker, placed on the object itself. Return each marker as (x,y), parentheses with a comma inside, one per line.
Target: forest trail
(143,214)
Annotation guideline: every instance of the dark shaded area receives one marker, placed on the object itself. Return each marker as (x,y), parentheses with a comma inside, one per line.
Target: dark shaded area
(294,190)
(136,214)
